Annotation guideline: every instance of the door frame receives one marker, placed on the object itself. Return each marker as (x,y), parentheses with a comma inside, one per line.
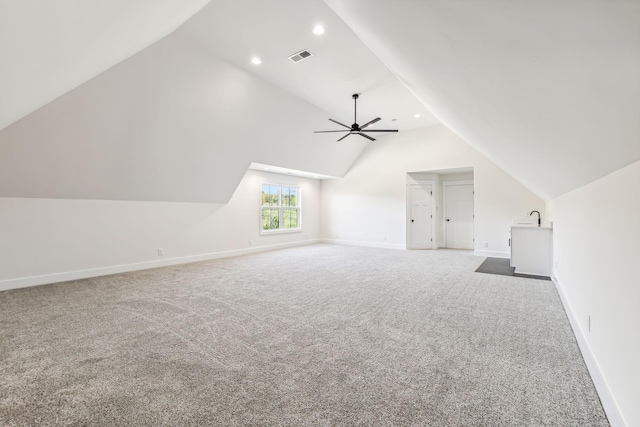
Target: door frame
(410,182)
(446,184)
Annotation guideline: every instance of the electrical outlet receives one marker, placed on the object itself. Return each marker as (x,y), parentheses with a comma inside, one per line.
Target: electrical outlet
(160,252)
(485,244)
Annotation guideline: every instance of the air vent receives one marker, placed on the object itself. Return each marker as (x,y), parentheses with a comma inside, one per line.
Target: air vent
(299,56)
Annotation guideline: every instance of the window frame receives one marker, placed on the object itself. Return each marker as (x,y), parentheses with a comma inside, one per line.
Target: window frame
(281,208)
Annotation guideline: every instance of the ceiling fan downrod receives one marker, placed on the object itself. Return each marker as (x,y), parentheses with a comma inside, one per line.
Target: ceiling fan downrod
(355,97)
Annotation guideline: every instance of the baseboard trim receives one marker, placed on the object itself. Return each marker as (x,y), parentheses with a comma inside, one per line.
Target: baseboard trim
(25,282)
(607,400)
(365,244)
(492,254)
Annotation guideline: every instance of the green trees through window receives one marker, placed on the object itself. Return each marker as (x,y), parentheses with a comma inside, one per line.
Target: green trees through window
(280,207)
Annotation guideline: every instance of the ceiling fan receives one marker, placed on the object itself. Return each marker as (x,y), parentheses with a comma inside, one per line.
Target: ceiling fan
(355,128)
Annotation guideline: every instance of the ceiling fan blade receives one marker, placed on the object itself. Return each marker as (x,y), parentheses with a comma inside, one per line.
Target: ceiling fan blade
(366,136)
(355,128)
(341,124)
(344,137)
(370,123)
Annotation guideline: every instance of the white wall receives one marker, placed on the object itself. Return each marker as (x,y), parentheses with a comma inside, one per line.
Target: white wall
(596,257)
(49,240)
(369,203)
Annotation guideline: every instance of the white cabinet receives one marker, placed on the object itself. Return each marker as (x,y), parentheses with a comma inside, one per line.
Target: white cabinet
(532,249)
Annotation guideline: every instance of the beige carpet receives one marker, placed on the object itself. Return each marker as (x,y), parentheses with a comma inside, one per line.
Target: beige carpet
(320,335)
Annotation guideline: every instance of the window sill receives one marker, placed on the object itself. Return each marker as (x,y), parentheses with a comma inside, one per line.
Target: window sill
(280,231)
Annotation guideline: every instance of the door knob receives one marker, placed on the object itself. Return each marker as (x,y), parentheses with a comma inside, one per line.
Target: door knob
(411,220)
(447,219)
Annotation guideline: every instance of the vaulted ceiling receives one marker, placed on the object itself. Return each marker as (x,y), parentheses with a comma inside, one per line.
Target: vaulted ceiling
(549,90)
(155,100)
(51,47)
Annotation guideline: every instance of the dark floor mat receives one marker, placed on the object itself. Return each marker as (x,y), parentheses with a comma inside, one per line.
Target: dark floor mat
(501,267)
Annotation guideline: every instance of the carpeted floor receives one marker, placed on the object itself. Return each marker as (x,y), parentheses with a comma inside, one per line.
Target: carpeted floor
(315,336)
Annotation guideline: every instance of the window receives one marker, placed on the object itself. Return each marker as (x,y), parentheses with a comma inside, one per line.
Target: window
(280,208)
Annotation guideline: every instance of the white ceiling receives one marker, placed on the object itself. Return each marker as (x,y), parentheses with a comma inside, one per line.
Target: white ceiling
(172,123)
(340,66)
(287,171)
(548,90)
(48,48)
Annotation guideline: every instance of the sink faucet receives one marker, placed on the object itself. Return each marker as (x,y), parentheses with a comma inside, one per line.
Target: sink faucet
(538,216)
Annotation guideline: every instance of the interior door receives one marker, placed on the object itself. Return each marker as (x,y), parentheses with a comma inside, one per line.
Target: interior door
(420,217)
(459,216)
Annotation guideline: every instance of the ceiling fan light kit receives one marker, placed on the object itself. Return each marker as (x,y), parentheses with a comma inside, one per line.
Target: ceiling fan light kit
(355,128)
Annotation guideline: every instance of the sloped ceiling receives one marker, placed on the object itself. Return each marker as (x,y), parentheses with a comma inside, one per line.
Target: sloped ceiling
(51,47)
(341,64)
(549,90)
(172,123)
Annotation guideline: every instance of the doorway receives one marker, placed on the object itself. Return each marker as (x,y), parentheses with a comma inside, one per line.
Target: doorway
(420,216)
(458,214)
(425,203)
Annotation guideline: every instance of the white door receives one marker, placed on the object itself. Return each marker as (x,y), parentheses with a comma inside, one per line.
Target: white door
(459,216)
(420,217)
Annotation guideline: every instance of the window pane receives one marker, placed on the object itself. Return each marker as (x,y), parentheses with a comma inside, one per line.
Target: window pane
(290,218)
(270,219)
(290,196)
(270,195)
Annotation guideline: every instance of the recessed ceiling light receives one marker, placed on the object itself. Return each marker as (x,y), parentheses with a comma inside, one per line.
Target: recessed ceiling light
(255,60)
(417,116)
(318,30)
